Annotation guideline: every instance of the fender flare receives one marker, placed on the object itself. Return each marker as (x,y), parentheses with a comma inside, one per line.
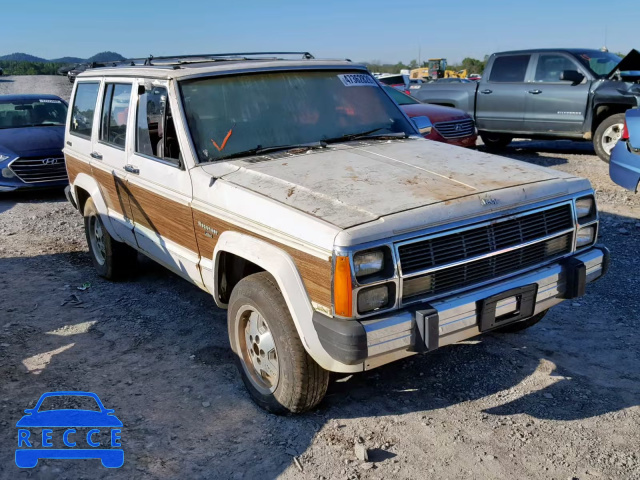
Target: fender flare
(89,184)
(280,264)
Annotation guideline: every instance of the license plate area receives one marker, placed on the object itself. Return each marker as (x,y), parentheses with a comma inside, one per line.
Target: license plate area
(506,307)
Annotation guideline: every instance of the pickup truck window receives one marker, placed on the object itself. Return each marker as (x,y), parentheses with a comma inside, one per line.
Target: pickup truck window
(234,114)
(509,69)
(599,63)
(551,66)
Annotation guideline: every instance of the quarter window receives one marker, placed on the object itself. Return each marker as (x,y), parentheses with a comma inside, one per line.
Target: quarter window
(84,106)
(155,131)
(551,66)
(509,69)
(115,111)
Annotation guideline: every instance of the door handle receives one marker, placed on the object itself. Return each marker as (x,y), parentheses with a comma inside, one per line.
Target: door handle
(96,155)
(69,143)
(535,92)
(487,91)
(132,169)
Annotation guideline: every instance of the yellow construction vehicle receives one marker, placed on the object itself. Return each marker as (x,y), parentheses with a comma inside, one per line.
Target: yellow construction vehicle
(454,74)
(435,69)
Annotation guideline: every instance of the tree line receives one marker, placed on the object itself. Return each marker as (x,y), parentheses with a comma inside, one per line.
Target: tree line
(11,67)
(472,65)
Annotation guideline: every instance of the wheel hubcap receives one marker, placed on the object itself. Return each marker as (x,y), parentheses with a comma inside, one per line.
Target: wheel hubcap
(96,236)
(258,350)
(611,136)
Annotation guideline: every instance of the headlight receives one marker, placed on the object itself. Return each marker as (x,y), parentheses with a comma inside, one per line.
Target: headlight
(586,236)
(586,209)
(368,262)
(373,298)
(4,157)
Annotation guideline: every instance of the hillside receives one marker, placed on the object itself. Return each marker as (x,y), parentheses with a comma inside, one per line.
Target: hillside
(98,57)
(22,57)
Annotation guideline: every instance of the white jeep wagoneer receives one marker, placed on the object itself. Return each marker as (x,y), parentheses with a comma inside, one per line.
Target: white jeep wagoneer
(300,196)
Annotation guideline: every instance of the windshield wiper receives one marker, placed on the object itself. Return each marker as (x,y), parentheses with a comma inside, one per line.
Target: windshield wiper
(368,134)
(259,150)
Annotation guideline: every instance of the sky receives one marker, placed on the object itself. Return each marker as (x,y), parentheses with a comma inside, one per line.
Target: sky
(372,30)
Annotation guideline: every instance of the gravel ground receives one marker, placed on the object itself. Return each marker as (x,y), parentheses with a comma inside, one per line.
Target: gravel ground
(559,401)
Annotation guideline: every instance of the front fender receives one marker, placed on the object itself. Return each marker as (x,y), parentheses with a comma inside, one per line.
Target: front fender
(89,185)
(280,264)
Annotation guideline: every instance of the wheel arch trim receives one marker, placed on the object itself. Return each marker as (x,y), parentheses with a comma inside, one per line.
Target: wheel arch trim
(90,185)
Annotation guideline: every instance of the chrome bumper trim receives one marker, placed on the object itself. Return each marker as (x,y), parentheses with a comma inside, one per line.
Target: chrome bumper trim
(391,337)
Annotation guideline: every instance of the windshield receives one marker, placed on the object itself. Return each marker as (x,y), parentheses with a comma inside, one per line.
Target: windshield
(69,402)
(600,63)
(32,113)
(399,97)
(231,115)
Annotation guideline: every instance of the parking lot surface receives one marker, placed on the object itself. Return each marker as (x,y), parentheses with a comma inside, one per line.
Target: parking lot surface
(558,401)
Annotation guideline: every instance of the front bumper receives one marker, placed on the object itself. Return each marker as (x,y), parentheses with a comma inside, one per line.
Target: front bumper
(427,326)
(624,167)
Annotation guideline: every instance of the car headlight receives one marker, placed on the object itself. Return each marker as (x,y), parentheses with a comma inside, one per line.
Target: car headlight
(586,236)
(368,262)
(586,209)
(4,157)
(374,298)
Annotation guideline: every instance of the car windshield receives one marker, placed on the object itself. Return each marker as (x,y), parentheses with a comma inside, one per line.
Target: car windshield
(399,97)
(32,113)
(600,63)
(228,116)
(69,402)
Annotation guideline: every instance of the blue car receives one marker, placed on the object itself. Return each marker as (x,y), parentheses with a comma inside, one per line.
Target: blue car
(110,455)
(624,167)
(31,142)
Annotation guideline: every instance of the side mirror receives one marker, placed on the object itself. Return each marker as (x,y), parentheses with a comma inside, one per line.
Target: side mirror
(573,76)
(423,124)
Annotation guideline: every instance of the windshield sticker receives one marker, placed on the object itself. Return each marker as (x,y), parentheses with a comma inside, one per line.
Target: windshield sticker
(357,80)
(48,101)
(224,142)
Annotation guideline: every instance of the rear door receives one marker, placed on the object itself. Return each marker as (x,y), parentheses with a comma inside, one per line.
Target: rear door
(555,106)
(500,101)
(159,183)
(109,157)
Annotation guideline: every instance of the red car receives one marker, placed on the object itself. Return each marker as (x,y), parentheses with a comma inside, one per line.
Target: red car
(450,125)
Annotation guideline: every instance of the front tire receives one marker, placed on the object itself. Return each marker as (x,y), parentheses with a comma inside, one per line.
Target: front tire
(607,135)
(111,259)
(279,374)
(495,141)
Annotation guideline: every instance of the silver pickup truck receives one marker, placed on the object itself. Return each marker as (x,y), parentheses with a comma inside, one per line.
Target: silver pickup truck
(576,94)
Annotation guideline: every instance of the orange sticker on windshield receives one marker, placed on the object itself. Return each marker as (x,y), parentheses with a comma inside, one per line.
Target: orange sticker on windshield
(224,142)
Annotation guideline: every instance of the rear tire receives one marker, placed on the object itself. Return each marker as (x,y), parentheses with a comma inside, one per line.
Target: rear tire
(495,141)
(607,135)
(111,259)
(283,378)
(523,325)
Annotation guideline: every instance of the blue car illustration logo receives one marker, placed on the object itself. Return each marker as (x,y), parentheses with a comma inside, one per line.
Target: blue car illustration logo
(70,425)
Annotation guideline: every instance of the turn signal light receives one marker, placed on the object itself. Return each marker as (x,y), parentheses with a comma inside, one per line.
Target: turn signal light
(625,132)
(342,289)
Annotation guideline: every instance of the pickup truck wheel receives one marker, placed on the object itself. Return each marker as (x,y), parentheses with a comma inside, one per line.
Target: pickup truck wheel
(279,374)
(607,135)
(523,325)
(495,141)
(112,259)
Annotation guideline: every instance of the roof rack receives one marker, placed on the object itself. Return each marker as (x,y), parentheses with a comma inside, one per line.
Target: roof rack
(178,59)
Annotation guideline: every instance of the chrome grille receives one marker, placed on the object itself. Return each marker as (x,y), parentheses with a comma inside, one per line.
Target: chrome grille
(38,170)
(470,256)
(456,128)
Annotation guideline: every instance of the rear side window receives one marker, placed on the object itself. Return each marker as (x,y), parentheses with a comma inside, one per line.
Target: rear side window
(84,106)
(509,69)
(115,111)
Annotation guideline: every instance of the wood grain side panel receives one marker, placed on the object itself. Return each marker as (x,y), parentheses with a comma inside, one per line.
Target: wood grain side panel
(168,218)
(315,272)
(114,191)
(75,166)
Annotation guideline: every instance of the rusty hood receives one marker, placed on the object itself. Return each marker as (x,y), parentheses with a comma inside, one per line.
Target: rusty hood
(355,183)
